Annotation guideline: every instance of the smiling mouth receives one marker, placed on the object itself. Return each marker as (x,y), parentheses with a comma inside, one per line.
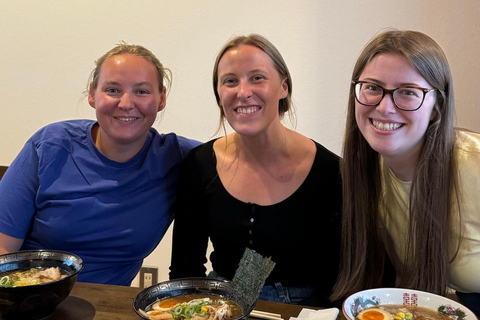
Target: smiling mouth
(385,126)
(126,119)
(247,110)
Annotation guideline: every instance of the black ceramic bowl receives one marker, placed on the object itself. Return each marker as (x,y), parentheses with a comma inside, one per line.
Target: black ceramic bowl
(184,286)
(40,300)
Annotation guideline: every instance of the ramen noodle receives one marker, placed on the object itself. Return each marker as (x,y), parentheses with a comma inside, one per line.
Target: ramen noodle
(400,312)
(30,277)
(193,307)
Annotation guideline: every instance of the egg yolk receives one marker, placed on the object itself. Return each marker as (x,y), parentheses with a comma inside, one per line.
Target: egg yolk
(372,315)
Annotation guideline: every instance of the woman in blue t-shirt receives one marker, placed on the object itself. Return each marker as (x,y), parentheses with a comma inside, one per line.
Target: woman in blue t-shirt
(100,189)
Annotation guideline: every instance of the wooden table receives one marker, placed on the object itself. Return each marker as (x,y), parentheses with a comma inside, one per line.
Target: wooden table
(107,302)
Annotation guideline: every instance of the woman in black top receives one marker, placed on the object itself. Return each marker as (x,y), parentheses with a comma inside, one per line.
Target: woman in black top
(264,186)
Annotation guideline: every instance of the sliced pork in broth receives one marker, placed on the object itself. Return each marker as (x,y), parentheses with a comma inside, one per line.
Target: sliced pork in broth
(30,277)
(193,307)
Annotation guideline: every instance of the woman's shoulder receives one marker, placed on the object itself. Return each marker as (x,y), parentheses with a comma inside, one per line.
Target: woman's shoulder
(201,154)
(326,164)
(325,154)
(467,141)
(184,144)
(467,153)
(202,151)
(201,160)
(62,131)
(68,125)
(305,145)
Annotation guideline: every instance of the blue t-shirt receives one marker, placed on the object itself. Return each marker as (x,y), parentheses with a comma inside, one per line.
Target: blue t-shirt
(62,193)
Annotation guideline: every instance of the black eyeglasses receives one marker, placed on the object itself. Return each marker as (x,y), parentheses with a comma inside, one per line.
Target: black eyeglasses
(408,98)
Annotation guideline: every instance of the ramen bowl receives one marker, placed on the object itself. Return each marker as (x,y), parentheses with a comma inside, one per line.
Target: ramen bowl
(39,300)
(173,288)
(375,298)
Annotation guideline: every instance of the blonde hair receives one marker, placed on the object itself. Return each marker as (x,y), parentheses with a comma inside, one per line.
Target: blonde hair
(164,75)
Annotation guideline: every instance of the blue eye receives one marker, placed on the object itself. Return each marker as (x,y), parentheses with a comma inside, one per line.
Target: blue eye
(229,81)
(409,92)
(111,90)
(258,77)
(372,87)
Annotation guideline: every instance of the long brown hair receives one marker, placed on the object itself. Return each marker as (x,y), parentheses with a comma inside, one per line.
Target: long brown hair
(433,190)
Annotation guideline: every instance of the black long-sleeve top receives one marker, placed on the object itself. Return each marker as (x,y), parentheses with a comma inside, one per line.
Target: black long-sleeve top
(301,233)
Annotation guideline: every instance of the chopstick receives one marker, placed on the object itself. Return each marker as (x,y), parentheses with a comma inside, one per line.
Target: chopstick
(265,315)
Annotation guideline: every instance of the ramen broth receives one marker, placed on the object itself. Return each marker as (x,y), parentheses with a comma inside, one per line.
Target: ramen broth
(33,276)
(194,307)
(401,312)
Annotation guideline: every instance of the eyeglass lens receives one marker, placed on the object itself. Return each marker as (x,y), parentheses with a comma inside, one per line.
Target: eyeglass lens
(405,98)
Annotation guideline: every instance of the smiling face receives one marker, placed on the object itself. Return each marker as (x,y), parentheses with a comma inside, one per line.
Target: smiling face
(249,90)
(390,131)
(126,101)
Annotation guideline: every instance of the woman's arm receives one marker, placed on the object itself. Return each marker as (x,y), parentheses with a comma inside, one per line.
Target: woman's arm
(9,244)
(190,231)
(18,190)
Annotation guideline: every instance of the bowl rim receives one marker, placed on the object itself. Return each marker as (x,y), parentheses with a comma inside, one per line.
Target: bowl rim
(392,289)
(247,312)
(74,274)
(41,250)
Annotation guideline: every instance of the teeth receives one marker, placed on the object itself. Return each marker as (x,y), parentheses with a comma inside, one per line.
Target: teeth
(385,126)
(126,119)
(247,110)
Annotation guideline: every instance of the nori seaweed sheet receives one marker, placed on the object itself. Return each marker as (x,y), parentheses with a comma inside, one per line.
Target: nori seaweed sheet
(250,277)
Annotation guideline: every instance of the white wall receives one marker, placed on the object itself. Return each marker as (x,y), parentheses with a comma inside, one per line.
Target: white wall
(48,48)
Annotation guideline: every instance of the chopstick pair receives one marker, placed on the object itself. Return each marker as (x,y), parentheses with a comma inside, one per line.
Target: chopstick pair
(265,315)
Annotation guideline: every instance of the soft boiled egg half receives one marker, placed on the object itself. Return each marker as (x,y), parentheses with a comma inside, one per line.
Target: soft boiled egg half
(374,314)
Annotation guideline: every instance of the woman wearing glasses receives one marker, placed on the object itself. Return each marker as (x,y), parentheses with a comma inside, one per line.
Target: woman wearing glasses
(410,179)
